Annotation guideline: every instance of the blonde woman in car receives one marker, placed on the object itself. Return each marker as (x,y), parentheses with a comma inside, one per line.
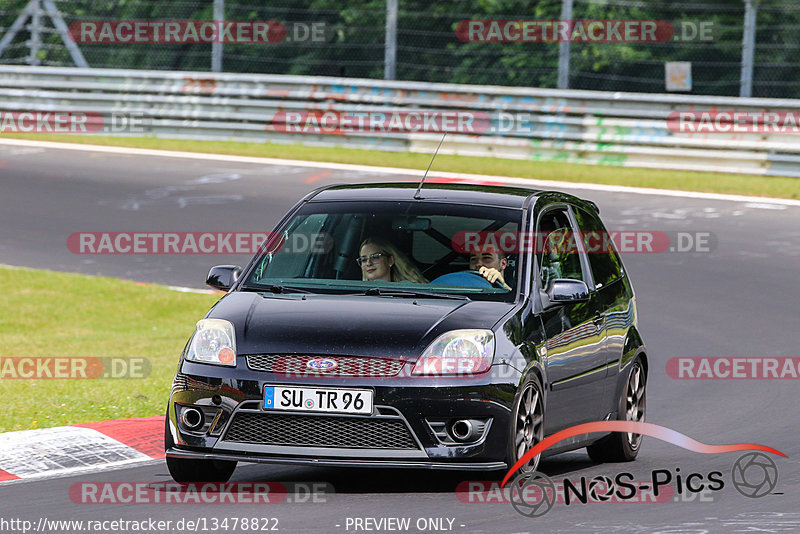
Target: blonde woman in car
(381,260)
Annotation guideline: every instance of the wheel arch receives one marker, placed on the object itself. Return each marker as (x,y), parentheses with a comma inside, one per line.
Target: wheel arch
(536,368)
(633,348)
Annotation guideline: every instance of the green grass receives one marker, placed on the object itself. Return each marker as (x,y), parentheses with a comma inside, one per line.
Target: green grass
(49,314)
(742,184)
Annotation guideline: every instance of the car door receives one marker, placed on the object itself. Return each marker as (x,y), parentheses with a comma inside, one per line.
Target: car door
(575,346)
(615,302)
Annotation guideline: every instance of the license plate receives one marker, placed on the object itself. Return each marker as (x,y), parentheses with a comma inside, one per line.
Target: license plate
(327,400)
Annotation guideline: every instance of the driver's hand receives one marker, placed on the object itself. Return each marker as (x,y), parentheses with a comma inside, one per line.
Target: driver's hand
(493,275)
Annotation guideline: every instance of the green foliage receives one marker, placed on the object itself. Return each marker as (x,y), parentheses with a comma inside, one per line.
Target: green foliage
(429,50)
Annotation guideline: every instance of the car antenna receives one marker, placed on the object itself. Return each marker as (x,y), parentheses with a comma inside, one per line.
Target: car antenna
(416,195)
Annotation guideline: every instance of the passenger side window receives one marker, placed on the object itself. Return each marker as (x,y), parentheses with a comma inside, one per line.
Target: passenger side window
(558,249)
(289,260)
(604,261)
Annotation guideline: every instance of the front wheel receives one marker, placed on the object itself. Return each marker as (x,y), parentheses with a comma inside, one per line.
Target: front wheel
(624,446)
(527,425)
(185,470)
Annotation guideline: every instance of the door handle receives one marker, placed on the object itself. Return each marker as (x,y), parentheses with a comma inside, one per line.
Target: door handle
(598,320)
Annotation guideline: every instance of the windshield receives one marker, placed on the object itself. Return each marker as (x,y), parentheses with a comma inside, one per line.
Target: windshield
(400,248)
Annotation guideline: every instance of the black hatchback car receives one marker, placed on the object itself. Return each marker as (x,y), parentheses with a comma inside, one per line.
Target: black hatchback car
(380,325)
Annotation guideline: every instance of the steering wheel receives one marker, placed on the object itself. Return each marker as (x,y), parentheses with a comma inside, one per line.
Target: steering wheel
(466,279)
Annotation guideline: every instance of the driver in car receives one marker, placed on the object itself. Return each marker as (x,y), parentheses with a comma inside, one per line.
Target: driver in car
(491,264)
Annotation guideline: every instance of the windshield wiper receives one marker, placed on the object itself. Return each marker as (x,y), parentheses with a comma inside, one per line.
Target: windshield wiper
(274,288)
(287,289)
(378,292)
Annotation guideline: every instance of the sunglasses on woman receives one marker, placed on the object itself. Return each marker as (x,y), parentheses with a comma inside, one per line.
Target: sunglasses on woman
(375,256)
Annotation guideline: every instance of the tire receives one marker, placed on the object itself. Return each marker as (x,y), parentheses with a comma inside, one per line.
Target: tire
(186,470)
(624,446)
(183,470)
(527,424)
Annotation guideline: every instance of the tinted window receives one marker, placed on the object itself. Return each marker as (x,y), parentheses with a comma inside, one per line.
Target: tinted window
(338,246)
(559,256)
(603,259)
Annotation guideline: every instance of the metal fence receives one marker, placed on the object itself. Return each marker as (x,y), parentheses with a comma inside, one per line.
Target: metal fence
(418,40)
(587,127)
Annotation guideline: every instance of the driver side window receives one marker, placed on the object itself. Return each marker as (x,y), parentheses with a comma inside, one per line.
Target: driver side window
(558,249)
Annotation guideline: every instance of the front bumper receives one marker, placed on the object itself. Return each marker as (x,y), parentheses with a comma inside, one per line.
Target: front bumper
(335,462)
(232,403)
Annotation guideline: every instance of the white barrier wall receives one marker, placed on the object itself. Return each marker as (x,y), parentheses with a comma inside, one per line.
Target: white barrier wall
(589,127)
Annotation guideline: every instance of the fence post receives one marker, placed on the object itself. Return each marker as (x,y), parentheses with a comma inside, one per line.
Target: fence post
(17,26)
(748,46)
(390,57)
(35,42)
(216,47)
(63,30)
(563,48)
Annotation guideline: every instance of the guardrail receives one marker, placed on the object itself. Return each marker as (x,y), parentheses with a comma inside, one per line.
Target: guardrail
(588,127)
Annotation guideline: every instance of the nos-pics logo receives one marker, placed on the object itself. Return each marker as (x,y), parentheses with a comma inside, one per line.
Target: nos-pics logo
(754,474)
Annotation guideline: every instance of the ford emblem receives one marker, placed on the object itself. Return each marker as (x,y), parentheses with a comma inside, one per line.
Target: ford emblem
(323,365)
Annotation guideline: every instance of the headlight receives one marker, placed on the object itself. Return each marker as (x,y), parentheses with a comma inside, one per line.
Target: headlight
(459,352)
(214,342)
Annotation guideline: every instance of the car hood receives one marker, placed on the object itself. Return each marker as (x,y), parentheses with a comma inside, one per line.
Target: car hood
(356,325)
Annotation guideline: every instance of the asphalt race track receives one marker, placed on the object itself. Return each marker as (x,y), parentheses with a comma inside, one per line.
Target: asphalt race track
(739,300)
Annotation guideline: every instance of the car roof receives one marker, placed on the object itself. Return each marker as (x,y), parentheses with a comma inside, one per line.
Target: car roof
(461,193)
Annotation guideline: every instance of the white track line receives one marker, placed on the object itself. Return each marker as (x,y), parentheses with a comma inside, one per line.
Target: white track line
(411,173)
(193,290)
(89,469)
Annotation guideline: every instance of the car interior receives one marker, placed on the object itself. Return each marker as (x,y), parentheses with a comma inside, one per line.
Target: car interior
(426,240)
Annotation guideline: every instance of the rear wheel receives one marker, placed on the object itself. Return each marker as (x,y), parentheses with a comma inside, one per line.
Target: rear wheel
(624,446)
(186,470)
(527,425)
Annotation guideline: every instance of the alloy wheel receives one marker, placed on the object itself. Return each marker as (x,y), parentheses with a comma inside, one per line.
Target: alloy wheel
(529,424)
(635,404)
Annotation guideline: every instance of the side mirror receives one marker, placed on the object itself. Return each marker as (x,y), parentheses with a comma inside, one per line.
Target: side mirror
(223,276)
(565,290)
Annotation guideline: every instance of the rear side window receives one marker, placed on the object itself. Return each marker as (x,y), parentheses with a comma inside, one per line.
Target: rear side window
(603,259)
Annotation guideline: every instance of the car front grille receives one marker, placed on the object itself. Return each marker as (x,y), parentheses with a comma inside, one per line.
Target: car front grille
(320,431)
(296,365)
